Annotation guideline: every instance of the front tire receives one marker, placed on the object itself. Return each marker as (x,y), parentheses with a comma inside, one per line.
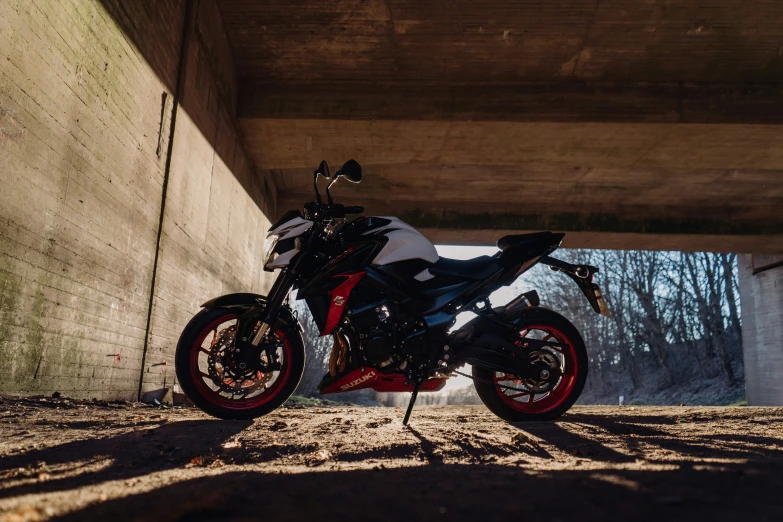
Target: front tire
(204,379)
(538,404)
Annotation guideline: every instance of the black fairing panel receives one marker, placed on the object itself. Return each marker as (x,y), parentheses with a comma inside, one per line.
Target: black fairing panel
(404,271)
(319,309)
(526,247)
(354,256)
(402,275)
(520,252)
(417,296)
(356,228)
(531,242)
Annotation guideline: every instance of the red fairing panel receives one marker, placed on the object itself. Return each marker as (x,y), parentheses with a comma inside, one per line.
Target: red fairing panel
(358,379)
(397,383)
(338,298)
(365,377)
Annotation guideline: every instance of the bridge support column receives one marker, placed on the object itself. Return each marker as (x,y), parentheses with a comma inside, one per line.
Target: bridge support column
(761,294)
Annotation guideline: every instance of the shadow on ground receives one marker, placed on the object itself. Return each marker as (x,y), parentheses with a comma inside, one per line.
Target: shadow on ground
(459,492)
(349,463)
(627,438)
(129,455)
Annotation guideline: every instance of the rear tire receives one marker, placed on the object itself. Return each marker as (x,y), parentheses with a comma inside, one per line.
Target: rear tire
(541,406)
(194,347)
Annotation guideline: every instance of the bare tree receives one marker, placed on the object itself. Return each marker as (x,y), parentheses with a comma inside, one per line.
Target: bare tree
(675,323)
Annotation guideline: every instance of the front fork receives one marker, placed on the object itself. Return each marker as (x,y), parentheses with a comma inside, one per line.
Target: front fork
(277,295)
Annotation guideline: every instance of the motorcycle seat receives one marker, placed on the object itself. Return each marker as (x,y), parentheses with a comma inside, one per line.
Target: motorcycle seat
(529,240)
(477,268)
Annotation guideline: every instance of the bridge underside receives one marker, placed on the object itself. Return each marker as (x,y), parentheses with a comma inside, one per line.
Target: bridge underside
(627,124)
(610,185)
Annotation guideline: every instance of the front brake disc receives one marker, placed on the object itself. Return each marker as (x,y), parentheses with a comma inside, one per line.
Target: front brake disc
(224,370)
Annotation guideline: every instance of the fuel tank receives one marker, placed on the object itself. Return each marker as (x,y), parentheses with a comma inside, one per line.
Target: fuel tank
(404,242)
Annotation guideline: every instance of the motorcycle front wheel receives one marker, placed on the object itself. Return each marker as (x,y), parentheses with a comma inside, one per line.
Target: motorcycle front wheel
(515,399)
(211,377)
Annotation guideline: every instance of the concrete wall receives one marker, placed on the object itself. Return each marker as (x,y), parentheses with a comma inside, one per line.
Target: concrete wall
(762,327)
(86,97)
(213,230)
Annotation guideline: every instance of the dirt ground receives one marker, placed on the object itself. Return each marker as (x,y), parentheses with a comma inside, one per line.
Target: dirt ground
(99,461)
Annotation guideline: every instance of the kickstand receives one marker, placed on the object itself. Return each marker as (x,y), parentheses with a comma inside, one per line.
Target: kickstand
(411,403)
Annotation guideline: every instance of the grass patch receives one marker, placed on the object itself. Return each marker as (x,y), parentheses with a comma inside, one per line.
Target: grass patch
(298,400)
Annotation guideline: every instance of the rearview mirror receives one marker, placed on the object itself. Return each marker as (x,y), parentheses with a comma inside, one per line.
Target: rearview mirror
(351,171)
(323,170)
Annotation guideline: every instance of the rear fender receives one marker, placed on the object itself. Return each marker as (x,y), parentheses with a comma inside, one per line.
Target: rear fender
(582,275)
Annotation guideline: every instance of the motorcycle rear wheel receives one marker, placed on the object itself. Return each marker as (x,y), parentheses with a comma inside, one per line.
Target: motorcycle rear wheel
(205,385)
(528,403)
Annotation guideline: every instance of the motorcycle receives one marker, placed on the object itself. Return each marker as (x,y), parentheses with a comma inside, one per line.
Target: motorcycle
(379,288)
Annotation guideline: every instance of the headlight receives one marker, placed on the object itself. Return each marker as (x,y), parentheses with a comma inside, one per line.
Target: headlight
(269,248)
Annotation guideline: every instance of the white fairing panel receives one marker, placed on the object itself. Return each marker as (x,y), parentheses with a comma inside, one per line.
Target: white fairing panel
(292,228)
(405,242)
(424,275)
(283,259)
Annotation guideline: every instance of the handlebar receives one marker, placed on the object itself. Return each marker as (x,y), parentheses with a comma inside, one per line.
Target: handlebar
(335,210)
(358,209)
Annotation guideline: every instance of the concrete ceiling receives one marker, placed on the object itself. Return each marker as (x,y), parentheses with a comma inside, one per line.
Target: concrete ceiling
(649,124)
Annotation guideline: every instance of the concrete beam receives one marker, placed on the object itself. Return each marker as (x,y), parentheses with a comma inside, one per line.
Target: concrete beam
(293,143)
(562,101)
(617,230)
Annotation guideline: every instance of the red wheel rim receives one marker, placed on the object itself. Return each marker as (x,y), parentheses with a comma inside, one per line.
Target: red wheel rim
(542,401)
(210,391)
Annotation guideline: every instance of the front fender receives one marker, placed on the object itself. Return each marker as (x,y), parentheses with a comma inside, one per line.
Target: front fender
(241,300)
(247,301)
